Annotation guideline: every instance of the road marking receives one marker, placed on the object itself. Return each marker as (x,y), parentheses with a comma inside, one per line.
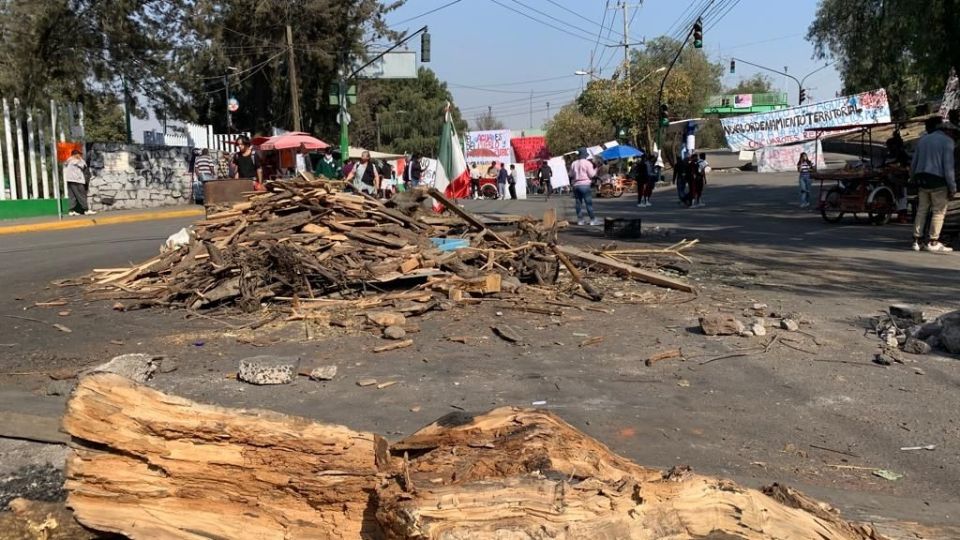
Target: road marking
(105,220)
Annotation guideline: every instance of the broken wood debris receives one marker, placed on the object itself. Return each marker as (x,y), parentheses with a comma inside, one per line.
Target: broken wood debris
(306,246)
(150,465)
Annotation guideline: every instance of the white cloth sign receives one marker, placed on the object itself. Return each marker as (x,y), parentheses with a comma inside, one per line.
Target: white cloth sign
(560,177)
(521,179)
(785,158)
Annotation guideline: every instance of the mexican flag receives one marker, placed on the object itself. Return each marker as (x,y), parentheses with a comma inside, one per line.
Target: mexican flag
(453,177)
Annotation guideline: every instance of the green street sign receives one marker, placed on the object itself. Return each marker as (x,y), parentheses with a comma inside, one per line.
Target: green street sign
(335,95)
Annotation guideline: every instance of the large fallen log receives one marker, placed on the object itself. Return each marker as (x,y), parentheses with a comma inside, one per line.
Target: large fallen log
(154,466)
(149,465)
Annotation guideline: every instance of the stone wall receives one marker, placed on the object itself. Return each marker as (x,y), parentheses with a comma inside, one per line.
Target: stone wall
(138,176)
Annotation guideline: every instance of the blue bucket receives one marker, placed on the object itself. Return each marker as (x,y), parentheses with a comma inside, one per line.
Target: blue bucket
(450,244)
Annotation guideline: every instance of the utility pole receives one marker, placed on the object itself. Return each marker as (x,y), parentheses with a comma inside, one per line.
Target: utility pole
(626,44)
(531,109)
(226,102)
(294,86)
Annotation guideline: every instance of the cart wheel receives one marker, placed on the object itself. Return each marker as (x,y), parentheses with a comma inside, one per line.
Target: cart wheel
(830,210)
(618,193)
(489,191)
(883,208)
(605,191)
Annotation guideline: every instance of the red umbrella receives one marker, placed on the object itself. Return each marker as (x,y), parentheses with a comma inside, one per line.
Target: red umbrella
(293,140)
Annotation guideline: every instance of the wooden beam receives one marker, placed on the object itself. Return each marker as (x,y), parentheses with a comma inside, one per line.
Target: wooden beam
(627,269)
(466,216)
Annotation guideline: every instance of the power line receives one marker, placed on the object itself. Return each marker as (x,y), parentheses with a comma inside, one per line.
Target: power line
(494,90)
(724,14)
(589,20)
(532,18)
(523,100)
(603,21)
(425,13)
(516,83)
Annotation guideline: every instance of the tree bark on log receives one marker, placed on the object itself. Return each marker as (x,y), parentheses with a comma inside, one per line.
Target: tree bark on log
(150,465)
(153,466)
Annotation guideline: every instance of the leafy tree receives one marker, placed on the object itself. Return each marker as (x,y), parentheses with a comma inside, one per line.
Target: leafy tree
(246,42)
(632,104)
(904,46)
(757,84)
(402,115)
(105,119)
(570,129)
(487,122)
(77,50)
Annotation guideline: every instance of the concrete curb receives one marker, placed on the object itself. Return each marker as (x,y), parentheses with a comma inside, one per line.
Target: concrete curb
(98,220)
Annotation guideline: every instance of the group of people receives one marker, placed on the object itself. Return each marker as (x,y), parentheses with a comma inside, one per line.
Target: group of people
(690,176)
(506,179)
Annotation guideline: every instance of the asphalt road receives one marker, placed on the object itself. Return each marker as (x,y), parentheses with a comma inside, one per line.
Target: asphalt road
(753,419)
(32,260)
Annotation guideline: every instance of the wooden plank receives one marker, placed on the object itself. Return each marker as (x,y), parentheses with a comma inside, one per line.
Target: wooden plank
(630,270)
(487,284)
(466,216)
(549,219)
(32,427)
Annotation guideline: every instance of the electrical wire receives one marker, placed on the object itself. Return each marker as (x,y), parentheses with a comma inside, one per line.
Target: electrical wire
(425,13)
(532,18)
(603,21)
(259,67)
(724,14)
(589,20)
(493,90)
(547,15)
(516,83)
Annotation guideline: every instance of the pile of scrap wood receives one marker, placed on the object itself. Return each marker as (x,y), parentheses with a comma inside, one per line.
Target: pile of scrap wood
(306,242)
(153,466)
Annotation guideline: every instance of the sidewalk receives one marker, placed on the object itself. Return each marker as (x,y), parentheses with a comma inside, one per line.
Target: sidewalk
(46,223)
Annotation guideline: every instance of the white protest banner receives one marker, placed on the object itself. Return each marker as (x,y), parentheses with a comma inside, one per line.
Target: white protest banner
(429,175)
(521,177)
(559,177)
(785,158)
(487,146)
(752,131)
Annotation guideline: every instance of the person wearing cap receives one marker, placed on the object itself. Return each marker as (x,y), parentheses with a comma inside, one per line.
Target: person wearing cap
(582,173)
(932,169)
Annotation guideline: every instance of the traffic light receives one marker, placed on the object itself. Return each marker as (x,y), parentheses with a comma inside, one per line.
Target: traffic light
(425,47)
(664,115)
(698,34)
(733,67)
(803,96)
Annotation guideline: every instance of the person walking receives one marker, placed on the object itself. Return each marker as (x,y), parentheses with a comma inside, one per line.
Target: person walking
(414,170)
(648,175)
(204,170)
(364,177)
(932,169)
(804,167)
(638,173)
(75,174)
(474,181)
(582,172)
(502,177)
(512,182)
(698,179)
(545,176)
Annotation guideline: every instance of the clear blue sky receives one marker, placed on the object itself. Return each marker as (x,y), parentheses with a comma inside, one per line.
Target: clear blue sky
(492,56)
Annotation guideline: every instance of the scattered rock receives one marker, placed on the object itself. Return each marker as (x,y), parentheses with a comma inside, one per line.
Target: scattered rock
(60,388)
(889,338)
(509,284)
(394,332)
(619,294)
(720,324)
(910,313)
(882,359)
(933,342)
(888,356)
(923,331)
(747,332)
(366,382)
(138,367)
(323,373)
(916,346)
(267,369)
(168,365)
(758,307)
(789,325)
(386,318)
(950,337)
(758,327)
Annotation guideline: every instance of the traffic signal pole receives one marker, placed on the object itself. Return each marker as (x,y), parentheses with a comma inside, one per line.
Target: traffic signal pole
(342,85)
(800,90)
(663,82)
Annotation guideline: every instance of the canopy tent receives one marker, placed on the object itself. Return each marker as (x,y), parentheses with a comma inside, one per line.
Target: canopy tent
(355,154)
(292,141)
(622,151)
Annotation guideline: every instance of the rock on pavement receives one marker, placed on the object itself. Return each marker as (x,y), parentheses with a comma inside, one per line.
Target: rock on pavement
(789,325)
(268,369)
(138,367)
(394,332)
(721,324)
(323,373)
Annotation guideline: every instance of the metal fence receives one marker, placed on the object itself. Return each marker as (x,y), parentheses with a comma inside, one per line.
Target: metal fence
(193,136)
(28,148)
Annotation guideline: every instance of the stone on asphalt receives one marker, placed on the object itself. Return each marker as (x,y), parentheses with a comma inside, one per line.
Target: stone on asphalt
(138,367)
(60,388)
(950,338)
(721,324)
(168,365)
(916,346)
(758,327)
(267,369)
(323,373)
(394,332)
(789,325)
(386,318)
(910,313)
